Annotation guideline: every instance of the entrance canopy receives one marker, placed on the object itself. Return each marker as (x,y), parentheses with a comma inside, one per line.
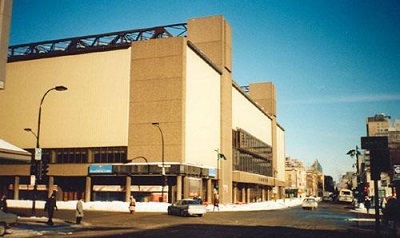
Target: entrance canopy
(10,153)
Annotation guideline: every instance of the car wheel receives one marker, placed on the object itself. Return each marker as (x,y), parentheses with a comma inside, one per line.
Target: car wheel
(2,229)
(169,212)
(183,213)
(200,215)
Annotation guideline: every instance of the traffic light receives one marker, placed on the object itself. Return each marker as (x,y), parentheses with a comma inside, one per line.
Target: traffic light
(34,168)
(44,170)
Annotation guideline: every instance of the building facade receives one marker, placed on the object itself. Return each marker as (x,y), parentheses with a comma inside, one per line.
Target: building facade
(157,116)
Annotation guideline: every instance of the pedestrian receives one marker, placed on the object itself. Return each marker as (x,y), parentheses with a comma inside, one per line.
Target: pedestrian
(3,204)
(49,206)
(216,202)
(79,211)
(132,204)
(367,203)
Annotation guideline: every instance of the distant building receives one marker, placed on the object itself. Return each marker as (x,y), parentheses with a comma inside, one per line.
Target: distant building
(295,174)
(381,125)
(315,180)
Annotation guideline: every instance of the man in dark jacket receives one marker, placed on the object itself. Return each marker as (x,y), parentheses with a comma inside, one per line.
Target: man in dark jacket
(50,206)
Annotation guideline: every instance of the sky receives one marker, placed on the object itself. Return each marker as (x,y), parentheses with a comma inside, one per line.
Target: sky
(333,63)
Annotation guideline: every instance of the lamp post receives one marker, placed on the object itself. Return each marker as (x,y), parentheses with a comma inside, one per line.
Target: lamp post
(37,160)
(156,124)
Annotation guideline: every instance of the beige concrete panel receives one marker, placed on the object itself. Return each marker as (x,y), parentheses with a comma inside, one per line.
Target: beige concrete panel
(146,141)
(92,112)
(156,68)
(15,170)
(244,177)
(212,35)
(228,46)
(158,48)
(157,90)
(203,110)
(68,169)
(265,95)
(205,29)
(214,51)
(250,118)
(281,155)
(156,111)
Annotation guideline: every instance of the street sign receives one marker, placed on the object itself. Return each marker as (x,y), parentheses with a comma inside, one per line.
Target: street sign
(38,153)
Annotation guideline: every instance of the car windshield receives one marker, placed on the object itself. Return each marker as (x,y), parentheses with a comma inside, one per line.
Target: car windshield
(189,202)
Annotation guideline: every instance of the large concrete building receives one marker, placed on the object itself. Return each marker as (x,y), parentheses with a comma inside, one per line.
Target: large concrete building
(139,113)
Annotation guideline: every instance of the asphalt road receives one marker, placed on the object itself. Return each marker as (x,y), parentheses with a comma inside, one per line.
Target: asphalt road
(330,220)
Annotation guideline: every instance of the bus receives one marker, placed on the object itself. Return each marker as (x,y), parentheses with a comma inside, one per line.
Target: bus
(345,195)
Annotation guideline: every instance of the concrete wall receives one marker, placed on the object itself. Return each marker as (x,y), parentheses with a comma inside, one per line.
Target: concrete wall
(92,112)
(202,111)
(157,95)
(250,118)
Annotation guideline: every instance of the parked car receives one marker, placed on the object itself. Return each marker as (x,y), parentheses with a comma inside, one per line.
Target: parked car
(187,207)
(346,196)
(6,219)
(309,203)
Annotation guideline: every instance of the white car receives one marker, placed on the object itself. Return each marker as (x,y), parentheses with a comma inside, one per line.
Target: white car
(310,203)
(187,207)
(6,219)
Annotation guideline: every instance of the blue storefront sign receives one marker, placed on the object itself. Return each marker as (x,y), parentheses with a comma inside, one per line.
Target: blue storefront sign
(212,172)
(100,169)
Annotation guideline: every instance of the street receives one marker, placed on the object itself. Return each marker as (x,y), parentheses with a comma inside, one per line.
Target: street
(329,220)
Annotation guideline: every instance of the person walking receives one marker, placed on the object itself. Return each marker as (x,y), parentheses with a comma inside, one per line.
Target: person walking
(50,205)
(367,203)
(79,211)
(3,204)
(216,202)
(132,204)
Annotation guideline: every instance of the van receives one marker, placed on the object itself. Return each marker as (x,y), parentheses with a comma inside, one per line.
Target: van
(345,195)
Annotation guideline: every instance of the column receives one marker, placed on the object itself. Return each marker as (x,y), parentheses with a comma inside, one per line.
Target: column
(210,191)
(16,187)
(178,187)
(248,193)
(128,183)
(243,194)
(50,186)
(263,195)
(88,189)
(235,190)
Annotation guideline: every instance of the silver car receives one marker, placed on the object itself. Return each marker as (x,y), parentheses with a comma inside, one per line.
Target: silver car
(6,219)
(310,203)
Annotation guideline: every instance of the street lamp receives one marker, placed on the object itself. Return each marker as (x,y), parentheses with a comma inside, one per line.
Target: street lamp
(37,160)
(156,124)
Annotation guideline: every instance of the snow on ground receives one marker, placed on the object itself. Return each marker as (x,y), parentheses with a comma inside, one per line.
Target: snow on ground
(118,206)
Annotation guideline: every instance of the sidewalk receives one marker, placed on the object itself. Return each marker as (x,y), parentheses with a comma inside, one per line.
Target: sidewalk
(118,206)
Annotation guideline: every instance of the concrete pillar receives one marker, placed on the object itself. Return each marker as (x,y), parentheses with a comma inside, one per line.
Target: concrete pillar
(263,197)
(235,191)
(128,183)
(88,189)
(244,195)
(179,187)
(210,190)
(50,186)
(16,187)
(248,193)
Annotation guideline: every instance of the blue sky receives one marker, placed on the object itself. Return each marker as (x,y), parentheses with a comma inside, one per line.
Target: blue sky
(334,63)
